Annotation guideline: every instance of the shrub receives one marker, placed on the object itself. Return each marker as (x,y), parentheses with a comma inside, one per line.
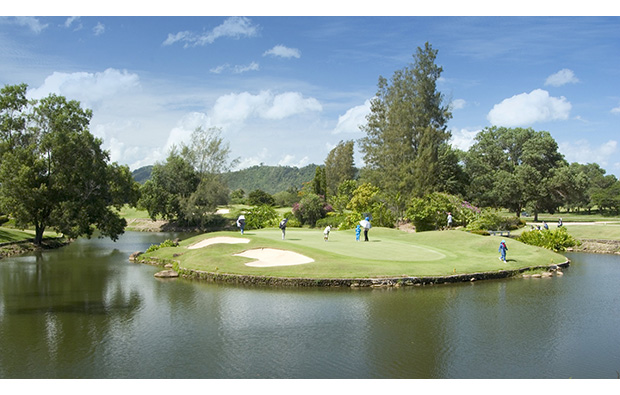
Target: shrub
(165,243)
(310,209)
(556,239)
(430,212)
(261,217)
(492,220)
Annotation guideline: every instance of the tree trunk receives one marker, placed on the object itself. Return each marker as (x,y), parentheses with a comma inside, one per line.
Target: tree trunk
(38,237)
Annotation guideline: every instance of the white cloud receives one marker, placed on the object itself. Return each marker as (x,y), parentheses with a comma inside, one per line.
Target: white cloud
(99,29)
(581,152)
(238,69)
(528,108)
(30,22)
(615,110)
(463,139)
(71,20)
(237,107)
(352,119)
(234,27)
(458,104)
(283,52)
(88,88)
(562,77)
(291,160)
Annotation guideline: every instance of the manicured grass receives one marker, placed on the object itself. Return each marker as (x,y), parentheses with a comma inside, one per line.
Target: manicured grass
(8,235)
(389,253)
(596,231)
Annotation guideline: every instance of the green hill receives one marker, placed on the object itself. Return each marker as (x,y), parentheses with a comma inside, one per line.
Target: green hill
(270,179)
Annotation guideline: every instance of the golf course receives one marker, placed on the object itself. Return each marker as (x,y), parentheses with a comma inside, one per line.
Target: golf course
(389,253)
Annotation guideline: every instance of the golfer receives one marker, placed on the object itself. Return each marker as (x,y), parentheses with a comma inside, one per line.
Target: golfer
(502,250)
(241,222)
(328,228)
(449,220)
(283,227)
(366,225)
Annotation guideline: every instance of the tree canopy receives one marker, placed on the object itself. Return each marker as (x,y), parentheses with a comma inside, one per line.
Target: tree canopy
(405,129)
(53,171)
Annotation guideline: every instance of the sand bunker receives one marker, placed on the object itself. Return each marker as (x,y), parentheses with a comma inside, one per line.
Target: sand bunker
(218,240)
(267,257)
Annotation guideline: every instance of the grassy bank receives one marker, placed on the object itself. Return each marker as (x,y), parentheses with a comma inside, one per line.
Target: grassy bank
(390,253)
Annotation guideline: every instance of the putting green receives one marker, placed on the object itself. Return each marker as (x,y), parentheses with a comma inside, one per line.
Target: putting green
(388,253)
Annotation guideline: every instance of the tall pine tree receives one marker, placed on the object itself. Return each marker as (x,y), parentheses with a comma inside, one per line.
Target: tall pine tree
(405,129)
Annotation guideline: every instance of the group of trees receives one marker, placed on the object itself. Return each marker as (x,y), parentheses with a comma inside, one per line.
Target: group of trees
(53,172)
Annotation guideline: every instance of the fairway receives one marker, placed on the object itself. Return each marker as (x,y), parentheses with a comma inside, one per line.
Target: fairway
(389,253)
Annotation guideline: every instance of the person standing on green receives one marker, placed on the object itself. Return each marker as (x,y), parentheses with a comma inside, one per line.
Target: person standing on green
(283,227)
(502,250)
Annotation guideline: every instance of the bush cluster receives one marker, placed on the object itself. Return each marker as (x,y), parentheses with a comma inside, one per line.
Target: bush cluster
(492,220)
(556,239)
(165,243)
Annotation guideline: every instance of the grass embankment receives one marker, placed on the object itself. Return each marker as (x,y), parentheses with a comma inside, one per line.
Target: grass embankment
(8,235)
(390,253)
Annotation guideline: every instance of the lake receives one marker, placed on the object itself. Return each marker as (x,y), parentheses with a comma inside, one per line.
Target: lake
(85,311)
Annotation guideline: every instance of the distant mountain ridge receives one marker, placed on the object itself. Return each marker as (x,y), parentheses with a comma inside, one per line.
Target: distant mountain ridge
(270,179)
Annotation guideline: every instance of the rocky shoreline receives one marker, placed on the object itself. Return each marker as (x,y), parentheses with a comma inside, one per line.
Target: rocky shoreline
(22,247)
(173,270)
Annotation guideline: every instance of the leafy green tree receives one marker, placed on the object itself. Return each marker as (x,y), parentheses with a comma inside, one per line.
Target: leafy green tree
(339,167)
(188,186)
(405,129)
(310,209)
(318,182)
(237,196)
(344,195)
(171,182)
(259,197)
(514,168)
(55,173)
(13,117)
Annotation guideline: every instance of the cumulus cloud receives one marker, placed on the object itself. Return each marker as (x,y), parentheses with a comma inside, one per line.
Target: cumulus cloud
(582,152)
(529,108)
(283,52)
(89,88)
(562,77)
(352,119)
(463,139)
(237,107)
(291,160)
(234,27)
(458,104)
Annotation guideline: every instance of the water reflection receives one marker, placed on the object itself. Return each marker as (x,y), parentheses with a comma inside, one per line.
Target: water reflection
(84,311)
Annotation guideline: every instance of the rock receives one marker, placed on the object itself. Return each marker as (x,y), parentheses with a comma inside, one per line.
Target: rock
(168,266)
(166,274)
(536,275)
(134,256)
(547,274)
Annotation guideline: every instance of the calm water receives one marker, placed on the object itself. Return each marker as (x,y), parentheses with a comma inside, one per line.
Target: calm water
(84,311)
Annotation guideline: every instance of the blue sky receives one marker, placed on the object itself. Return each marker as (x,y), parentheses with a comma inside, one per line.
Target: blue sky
(285,90)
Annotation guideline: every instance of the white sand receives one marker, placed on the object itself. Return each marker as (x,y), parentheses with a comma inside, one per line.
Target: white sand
(218,240)
(267,257)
